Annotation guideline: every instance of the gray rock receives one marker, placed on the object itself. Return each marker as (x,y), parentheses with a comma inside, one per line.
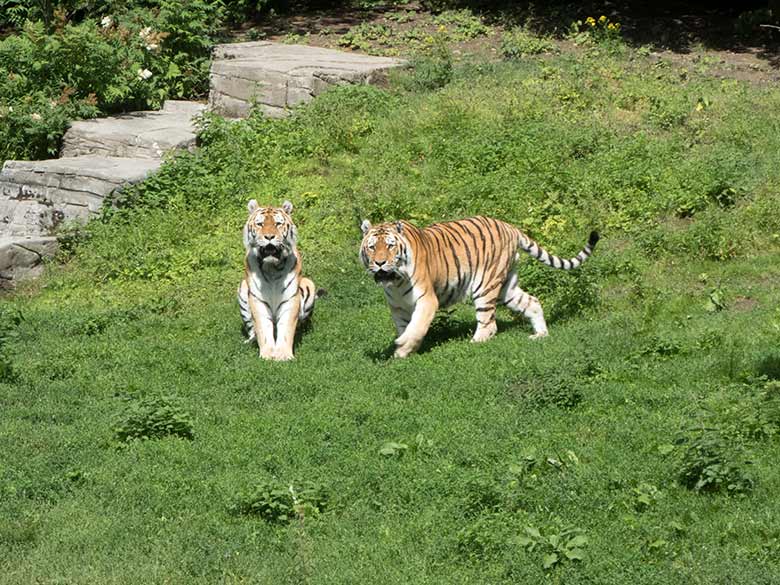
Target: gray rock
(35,196)
(23,257)
(134,135)
(279,76)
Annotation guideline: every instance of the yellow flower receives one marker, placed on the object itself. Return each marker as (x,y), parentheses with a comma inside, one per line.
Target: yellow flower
(602,19)
(610,26)
(442,28)
(590,21)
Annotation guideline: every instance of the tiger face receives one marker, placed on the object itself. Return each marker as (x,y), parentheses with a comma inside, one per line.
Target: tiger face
(269,233)
(384,252)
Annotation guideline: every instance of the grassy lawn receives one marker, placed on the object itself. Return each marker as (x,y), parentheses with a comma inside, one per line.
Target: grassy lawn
(637,444)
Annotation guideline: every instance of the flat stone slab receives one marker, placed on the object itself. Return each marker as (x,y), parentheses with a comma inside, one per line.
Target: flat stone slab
(23,257)
(136,134)
(35,196)
(280,76)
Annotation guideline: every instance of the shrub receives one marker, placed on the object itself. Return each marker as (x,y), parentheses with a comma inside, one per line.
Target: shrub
(10,319)
(132,60)
(710,464)
(519,43)
(431,69)
(276,502)
(154,418)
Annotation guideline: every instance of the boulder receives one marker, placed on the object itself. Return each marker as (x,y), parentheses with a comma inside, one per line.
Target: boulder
(278,77)
(22,257)
(35,196)
(136,134)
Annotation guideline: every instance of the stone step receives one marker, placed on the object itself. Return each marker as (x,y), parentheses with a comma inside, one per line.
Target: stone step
(35,196)
(22,257)
(281,76)
(136,134)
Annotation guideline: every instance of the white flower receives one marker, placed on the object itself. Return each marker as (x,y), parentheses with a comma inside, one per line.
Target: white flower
(35,116)
(106,21)
(144,74)
(145,32)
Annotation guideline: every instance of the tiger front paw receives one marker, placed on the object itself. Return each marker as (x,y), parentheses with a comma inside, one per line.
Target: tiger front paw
(267,353)
(283,355)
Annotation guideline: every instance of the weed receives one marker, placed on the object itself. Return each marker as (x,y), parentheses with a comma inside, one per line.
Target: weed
(460,25)
(768,366)
(710,465)
(10,319)
(431,69)
(519,43)
(154,418)
(277,502)
(548,389)
(557,544)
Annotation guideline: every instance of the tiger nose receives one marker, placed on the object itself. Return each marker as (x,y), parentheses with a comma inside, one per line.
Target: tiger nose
(269,237)
(380,263)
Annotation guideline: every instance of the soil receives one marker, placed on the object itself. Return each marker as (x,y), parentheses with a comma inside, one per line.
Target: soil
(712,39)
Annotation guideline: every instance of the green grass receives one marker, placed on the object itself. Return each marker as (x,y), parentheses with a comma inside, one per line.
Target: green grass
(587,429)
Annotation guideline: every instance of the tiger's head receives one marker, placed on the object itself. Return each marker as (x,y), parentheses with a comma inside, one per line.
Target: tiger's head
(269,233)
(384,251)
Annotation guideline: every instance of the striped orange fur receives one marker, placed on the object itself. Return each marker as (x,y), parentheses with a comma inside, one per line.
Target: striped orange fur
(273,297)
(425,269)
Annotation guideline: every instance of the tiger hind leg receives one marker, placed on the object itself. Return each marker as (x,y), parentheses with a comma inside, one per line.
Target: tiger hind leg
(246,313)
(526,305)
(485,306)
(309,294)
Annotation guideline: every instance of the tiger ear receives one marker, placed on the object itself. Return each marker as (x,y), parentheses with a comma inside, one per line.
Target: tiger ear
(252,205)
(288,207)
(400,227)
(365,226)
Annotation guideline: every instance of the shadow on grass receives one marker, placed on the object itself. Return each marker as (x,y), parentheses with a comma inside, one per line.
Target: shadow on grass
(444,330)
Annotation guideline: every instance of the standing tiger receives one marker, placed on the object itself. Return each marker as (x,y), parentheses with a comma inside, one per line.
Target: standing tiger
(423,270)
(273,296)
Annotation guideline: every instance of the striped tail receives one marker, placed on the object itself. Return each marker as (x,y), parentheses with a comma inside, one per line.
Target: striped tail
(246,314)
(535,250)
(309,294)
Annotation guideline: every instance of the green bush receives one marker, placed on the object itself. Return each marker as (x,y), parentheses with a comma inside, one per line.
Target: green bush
(519,43)
(276,502)
(154,418)
(10,319)
(131,60)
(709,464)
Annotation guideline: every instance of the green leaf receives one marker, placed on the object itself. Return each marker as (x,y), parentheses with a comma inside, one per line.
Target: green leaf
(533,532)
(549,560)
(578,541)
(665,449)
(524,541)
(575,554)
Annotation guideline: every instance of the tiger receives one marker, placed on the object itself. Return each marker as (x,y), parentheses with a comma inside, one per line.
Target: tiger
(273,297)
(424,269)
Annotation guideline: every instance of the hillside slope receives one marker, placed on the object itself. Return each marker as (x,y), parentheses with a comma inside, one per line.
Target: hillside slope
(633,423)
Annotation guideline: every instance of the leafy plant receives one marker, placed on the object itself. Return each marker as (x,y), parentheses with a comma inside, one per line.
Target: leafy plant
(518,43)
(644,496)
(154,418)
(598,30)
(557,544)
(710,465)
(431,69)
(277,502)
(460,25)
(10,319)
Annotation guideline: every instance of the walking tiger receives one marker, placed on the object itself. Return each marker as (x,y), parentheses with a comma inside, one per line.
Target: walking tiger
(425,269)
